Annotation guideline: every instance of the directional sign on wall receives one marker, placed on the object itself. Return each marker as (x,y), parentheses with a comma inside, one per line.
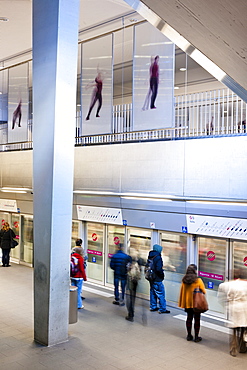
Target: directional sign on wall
(233,228)
(99,214)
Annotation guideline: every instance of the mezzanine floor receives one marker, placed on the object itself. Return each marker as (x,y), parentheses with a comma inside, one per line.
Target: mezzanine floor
(102,339)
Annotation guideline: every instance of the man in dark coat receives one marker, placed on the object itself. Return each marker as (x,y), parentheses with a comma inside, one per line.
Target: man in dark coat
(157,290)
(119,262)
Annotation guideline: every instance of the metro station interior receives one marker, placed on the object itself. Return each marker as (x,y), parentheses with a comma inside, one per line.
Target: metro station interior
(122,172)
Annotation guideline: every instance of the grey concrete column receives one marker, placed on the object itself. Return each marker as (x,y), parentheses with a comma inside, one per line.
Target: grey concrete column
(55,45)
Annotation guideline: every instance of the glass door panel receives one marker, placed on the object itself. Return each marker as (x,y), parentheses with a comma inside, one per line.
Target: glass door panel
(139,245)
(15,252)
(115,236)
(95,241)
(212,265)
(26,245)
(240,259)
(174,255)
(75,233)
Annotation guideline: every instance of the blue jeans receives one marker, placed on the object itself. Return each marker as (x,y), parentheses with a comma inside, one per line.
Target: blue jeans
(78,282)
(157,291)
(116,284)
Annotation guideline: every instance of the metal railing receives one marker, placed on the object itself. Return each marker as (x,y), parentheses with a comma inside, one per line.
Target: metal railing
(218,112)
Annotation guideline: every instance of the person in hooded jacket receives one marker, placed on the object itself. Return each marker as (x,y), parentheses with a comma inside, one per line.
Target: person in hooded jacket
(80,276)
(190,282)
(118,264)
(157,289)
(6,236)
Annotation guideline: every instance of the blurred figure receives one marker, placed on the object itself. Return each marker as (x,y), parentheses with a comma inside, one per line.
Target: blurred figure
(242,126)
(157,289)
(118,264)
(96,95)
(210,127)
(6,236)
(234,294)
(133,276)
(154,80)
(190,282)
(17,115)
(80,275)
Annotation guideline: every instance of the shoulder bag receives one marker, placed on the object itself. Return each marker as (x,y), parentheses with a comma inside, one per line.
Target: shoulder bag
(200,303)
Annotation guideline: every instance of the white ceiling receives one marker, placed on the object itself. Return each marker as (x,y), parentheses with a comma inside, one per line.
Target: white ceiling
(217,28)
(16,34)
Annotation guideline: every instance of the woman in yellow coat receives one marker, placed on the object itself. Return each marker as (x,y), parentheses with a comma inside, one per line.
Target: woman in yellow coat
(190,281)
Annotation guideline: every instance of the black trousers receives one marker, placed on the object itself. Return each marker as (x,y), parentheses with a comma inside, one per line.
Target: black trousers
(131,296)
(5,257)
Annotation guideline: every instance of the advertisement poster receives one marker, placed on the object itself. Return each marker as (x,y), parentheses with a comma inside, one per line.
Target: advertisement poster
(96,86)
(18,103)
(153,83)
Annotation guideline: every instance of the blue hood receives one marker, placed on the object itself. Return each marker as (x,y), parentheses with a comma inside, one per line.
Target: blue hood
(157,248)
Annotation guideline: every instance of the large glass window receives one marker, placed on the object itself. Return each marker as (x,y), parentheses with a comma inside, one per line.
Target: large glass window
(26,250)
(139,245)
(95,241)
(115,237)
(75,232)
(174,262)
(212,267)
(15,220)
(240,259)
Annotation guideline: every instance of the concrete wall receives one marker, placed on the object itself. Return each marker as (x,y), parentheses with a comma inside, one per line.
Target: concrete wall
(209,167)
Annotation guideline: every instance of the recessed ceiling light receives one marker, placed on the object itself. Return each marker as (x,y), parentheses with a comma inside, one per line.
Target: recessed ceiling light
(4,19)
(176,87)
(182,69)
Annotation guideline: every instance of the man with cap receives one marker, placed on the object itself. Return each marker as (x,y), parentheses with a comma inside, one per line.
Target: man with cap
(157,289)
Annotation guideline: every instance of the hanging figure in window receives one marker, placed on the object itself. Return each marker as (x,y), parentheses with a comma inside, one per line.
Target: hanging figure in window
(17,116)
(96,95)
(154,81)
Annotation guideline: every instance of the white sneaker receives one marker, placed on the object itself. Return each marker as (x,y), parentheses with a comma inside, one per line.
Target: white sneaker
(81,307)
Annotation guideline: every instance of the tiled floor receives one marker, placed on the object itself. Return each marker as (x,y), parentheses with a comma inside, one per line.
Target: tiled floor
(102,339)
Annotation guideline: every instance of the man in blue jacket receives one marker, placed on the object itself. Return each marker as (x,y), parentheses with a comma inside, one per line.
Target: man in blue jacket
(119,262)
(157,290)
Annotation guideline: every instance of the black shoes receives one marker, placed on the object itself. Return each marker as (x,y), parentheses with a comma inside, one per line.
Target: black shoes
(154,309)
(189,337)
(167,311)
(129,318)
(197,339)
(116,302)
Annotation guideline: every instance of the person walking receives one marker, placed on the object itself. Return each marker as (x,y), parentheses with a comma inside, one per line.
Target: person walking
(6,237)
(190,282)
(234,293)
(118,264)
(133,276)
(157,289)
(77,273)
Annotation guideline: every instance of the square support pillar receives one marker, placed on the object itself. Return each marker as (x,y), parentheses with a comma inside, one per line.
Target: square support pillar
(55,49)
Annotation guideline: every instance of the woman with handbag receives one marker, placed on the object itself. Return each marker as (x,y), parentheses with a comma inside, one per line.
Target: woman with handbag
(6,237)
(190,282)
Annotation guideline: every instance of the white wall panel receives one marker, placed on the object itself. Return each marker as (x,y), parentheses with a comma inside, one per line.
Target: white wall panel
(214,168)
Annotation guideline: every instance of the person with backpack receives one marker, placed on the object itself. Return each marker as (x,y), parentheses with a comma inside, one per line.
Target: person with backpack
(155,274)
(78,243)
(118,264)
(133,276)
(77,272)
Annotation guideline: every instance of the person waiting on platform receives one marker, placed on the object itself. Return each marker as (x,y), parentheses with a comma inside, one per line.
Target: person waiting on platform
(157,289)
(190,282)
(6,236)
(77,272)
(118,264)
